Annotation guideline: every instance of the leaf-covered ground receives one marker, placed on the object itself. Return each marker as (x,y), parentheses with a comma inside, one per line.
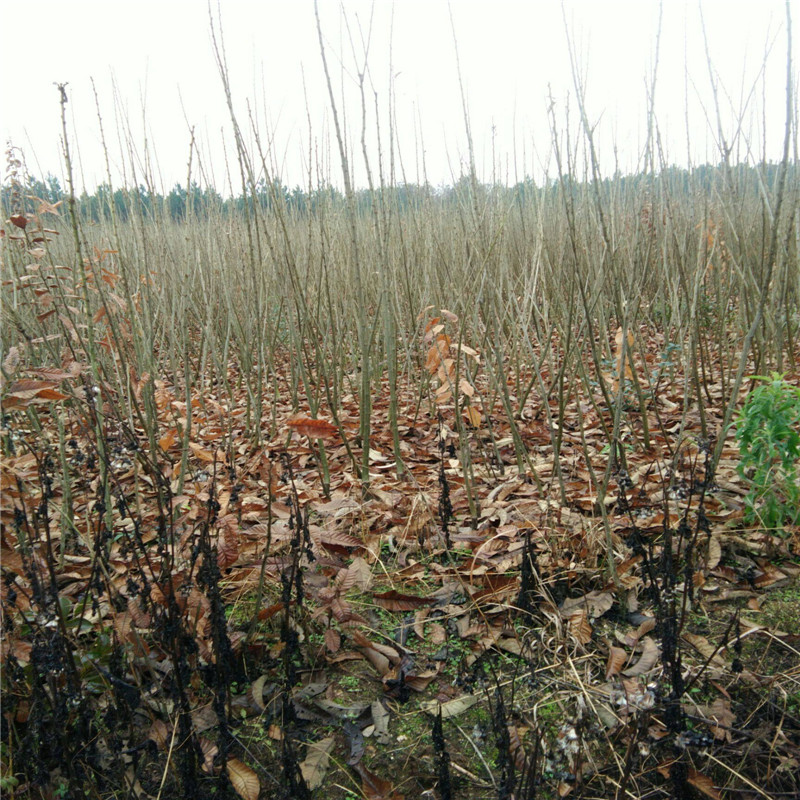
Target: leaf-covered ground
(269,626)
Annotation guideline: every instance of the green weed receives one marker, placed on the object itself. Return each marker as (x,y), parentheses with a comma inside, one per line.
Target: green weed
(768,433)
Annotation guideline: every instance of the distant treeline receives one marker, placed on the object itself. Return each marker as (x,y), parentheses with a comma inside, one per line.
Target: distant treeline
(204,202)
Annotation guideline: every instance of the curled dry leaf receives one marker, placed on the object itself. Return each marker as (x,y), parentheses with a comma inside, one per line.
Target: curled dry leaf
(243,779)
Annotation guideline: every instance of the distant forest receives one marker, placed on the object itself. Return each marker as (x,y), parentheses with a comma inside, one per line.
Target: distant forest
(198,202)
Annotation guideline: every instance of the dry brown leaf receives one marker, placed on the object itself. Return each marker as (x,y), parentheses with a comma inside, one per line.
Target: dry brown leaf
(210,751)
(255,694)
(337,539)
(395,601)
(227,543)
(375,788)
(243,779)
(159,733)
(333,640)
(452,708)
(714,553)
(436,633)
(703,784)
(362,573)
(705,648)
(168,439)
(579,627)
(616,661)
(618,338)
(313,428)
(720,711)
(206,455)
(372,654)
(648,659)
(50,373)
(27,392)
(473,416)
(432,361)
(595,603)
(516,748)
(466,388)
(11,360)
(420,616)
(644,627)
(345,580)
(315,765)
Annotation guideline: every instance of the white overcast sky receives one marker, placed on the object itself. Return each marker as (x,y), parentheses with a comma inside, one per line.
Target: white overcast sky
(155,75)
